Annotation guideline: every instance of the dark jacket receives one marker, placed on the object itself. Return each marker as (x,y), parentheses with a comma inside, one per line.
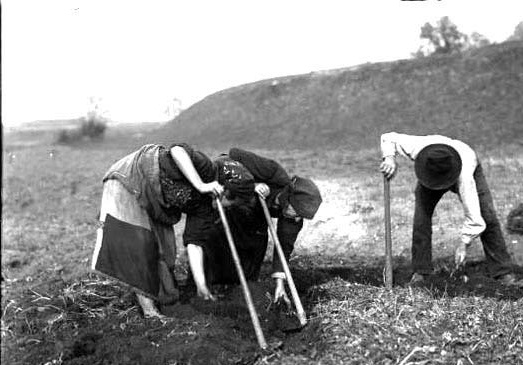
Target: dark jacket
(274,175)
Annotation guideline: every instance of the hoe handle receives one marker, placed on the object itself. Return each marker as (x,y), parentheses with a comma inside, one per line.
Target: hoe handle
(388,239)
(294,293)
(246,293)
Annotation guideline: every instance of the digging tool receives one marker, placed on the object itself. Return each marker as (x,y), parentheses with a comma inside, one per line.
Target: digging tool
(388,239)
(246,292)
(294,293)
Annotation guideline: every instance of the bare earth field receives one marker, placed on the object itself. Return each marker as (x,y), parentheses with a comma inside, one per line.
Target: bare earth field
(56,311)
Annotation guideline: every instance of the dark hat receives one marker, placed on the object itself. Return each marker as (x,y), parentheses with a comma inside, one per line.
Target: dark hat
(437,166)
(304,196)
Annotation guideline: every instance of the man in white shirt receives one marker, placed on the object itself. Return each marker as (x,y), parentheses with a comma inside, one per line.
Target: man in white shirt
(443,164)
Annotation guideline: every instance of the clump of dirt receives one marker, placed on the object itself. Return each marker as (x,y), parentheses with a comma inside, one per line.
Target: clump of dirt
(229,322)
(100,323)
(471,280)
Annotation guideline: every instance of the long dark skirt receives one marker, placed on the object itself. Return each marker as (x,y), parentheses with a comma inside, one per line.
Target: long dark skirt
(250,238)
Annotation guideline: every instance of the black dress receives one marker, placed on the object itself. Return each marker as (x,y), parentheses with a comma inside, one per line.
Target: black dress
(247,222)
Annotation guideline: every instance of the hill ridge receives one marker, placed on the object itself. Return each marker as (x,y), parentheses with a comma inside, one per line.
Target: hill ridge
(476,96)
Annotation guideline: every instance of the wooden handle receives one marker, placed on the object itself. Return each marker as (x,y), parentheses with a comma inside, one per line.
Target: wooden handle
(388,239)
(294,293)
(246,292)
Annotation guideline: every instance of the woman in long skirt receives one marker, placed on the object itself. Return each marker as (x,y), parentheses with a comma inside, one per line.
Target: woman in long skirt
(144,195)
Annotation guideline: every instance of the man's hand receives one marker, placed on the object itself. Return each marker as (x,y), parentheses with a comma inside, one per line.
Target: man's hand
(280,292)
(262,189)
(460,255)
(388,167)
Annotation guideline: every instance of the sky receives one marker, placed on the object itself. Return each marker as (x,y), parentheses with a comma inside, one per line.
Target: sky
(136,59)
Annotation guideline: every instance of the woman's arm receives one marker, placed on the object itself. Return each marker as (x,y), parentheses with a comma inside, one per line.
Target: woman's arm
(184,163)
(263,169)
(195,254)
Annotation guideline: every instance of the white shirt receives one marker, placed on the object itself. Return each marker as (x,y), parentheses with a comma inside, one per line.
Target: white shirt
(409,146)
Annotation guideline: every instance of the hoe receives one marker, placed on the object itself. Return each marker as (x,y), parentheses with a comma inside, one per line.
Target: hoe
(295,297)
(246,292)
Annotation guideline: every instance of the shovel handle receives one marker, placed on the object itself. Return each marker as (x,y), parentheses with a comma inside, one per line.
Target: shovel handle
(388,238)
(294,293)
(246,292)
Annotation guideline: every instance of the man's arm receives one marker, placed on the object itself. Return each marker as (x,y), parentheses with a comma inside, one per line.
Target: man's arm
(388,152)
(388,144)
(474,223)
(408,146)
(287,231)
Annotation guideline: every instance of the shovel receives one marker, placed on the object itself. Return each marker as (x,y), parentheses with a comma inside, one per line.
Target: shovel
(246,292)
(294,293)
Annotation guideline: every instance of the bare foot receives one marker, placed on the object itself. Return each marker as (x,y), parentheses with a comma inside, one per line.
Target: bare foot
(154,314)
(148,307)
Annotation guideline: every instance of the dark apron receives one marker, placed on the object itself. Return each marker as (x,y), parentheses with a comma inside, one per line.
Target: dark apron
(134,255)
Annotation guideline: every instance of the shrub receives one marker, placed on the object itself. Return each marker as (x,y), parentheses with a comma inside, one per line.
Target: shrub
(91,127)
(515,220)
(68,136)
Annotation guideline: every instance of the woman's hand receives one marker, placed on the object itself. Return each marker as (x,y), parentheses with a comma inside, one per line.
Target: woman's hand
(213,187)
(262,189)
(388,167)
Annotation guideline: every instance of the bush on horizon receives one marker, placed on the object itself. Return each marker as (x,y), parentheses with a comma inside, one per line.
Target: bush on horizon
(91,127)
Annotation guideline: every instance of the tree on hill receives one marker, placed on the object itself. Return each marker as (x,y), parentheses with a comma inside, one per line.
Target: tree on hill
(445,38)
(476,40)
(518,33)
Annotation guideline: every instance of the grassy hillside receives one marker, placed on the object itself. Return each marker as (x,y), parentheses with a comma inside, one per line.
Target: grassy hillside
(477,96)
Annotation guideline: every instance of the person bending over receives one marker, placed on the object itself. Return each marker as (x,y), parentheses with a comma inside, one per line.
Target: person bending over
(443,164)
(244,175)
(144,195)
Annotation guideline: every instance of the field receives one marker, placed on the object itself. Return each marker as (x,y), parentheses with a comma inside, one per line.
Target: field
(56,311)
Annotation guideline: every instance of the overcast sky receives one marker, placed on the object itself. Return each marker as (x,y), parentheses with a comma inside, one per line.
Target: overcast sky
(135,57)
